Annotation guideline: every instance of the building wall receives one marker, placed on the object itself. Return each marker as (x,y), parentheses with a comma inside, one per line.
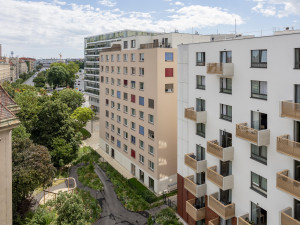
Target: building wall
(23,67)
(281,78)
(5,178)
(4,72)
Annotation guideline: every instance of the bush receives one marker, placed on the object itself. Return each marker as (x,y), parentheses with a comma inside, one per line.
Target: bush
(85,133)
(167,216)
(88,177)
(141,190)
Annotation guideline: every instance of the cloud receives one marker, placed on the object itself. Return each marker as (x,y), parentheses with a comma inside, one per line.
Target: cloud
(39,25)
(107,3)
(179,3)
(277,8)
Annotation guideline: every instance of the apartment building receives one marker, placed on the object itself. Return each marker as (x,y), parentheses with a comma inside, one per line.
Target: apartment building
(4,70)
(8,121)
(239,131)
(30,63)
(23,68)
(138,106)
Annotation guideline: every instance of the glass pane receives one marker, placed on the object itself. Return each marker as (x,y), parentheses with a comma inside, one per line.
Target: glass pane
(203,80)
(229,113)
(263,151)
(255,56)
(255,120)
(223,57)
(229,57)
(254,149)
(264,56)
(229,83)
(264,183)
(255,179)
(263,87)
(255,86)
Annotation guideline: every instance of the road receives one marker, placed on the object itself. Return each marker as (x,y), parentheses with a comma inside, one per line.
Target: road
(30,80)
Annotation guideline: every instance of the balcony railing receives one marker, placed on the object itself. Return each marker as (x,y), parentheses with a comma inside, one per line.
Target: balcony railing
(155,45)
(198,190)
(191,161)
(287,184)
(257,137)
(218,151)
(222,182)
(198,117)
(287,219)
(243,220)
(196,214)
(288,147)
(214,221)
(290,109)
(224,211)
(222,69)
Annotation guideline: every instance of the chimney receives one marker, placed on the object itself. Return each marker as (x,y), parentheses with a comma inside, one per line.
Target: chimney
(0,50)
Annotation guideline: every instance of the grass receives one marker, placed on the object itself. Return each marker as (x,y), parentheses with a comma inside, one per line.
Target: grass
(88,177)
(85,133)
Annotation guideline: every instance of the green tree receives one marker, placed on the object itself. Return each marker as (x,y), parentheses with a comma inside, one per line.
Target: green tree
(20,133)
(57,75)
(82,116)
(42,216)
(72,68)
(62,152)
(71,97)
(40,79)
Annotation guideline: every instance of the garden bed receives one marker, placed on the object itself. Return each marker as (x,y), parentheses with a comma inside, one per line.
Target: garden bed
(88,177)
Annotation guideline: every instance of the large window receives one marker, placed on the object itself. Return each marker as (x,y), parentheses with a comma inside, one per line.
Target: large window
(151,134)
(200,82)
(259,184)
(259,58)
(125,44)
(141,100)
(226,57)
(132,43)
(151,165)
(168,72)
(169,56)
(226,85)
(151,103)
(200,129)
(200,105)
(142,58)
(297,58)
(226,112)
(259,89)
(200,58)
(259,153)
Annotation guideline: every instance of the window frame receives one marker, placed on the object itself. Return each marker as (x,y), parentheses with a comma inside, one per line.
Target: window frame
(259,158)
(200,86)
(259,64)
(297,53)
(200,132)
(225,116)
(202,61)
(225,90)
(258,188)
(259,95)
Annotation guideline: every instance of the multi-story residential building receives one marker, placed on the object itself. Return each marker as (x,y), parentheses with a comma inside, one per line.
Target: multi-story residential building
(15,66)
(4,70)
(8,121)
(30,63)
(23,68)
(138,106)
(239,131)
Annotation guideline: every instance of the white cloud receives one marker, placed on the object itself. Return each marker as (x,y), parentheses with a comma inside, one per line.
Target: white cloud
(40,25)
(179,3)
(107,3)
(277,8)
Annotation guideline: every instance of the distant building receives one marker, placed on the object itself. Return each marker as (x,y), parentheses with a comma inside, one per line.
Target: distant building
(4,70)
(30,63)
(23,68)
(47,62)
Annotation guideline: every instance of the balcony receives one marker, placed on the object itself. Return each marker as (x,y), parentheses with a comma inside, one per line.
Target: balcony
(198,117)
(287,184)
(287,219)
(218,151)
(198,190)
(224,211)
(288,147)
(196,214)
(257,137)
(243,220)
(221,69)
(222,182)
(214,221)
(191,161)
(290,109)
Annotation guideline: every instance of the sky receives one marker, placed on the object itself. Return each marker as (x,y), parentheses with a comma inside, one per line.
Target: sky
(46,28)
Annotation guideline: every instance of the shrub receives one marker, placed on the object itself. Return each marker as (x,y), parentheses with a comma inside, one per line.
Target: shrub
(141,190)
(85,133)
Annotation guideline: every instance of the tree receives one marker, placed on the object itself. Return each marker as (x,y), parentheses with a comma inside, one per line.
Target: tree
(20,133)
(72,98)
(71,68)
(40,79)
(82,116)
(31,168)
(57,75)
(62,152)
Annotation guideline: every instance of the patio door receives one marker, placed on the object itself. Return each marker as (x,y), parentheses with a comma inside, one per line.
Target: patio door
(297,93)
(225,139)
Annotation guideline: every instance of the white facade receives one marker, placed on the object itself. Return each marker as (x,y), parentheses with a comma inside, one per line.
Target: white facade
(281,78)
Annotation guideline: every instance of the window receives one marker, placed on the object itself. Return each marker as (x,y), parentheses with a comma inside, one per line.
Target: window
(118,131)
(141,115)
(118,106)
(200,58)
(125,70)
(151,165)
(107,136)
(133,98)
(112,104)
(112,92)
(118,119)
(112,139)
(141,130)
(132,43)
(142,176)
(141,144)
(112,58)
(151,149)
(151,103)
(106,113)
(133,112)
(226,85)
(297,58)
(125,82)
(259,89)
(141,86)
(102,58)
(107,69)
(226,57)
(125,96)
(133,125)
(112,116)
(112,80)
(125,44)
(200,105)
(168,72)
(132,57)
(118,57)
(132,165)
(125,109)
(125,122)
(169,88)
(107,148)
(132,139)
(102,68)
(106,80)
(102,79)
(106,124)
(259,58)
(142,71)
(169,56)
(200,129)
(151,134)
(125,135)
(133,84)
(141,159)
(107,58)
(151,183)
(226,112)
(132,153)
(112,69)
(118,94)
(106,102)
(259,153)
(119,144)
(118,82)
(141,100)
(119,69)
(200,82)
(125,147)
(125,57)
(132,70)
(142,57)
(151,119)
(259,184)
